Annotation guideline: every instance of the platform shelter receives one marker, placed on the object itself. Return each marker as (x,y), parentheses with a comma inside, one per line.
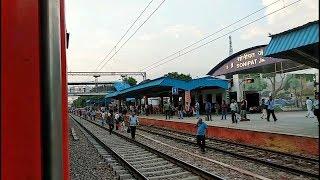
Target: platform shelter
(164,87)
(299,44)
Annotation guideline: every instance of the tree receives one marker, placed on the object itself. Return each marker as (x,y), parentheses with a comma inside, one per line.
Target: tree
(272,78)
(130,80)
(176,75)
(82,100)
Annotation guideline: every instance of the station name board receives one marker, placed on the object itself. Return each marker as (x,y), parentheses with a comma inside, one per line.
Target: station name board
(250,59)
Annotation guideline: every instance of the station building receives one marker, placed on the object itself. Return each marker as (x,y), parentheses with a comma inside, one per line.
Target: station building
(274,69)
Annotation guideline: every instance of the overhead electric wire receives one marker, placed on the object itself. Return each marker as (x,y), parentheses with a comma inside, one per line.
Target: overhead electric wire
(124,34)
(206,37)
(222,35)
(133,34)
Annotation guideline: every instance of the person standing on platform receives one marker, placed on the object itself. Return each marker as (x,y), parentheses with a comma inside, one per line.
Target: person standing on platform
(197,108)
(116,119)
(216,108)
(180,111)
(270,109)
(110,119)
(234,110)
(243,110)
(201,134)
(208,108)
(167,110)
(133,122)
(309,108)
(224,108)
(316,106)
(103,118)
(264,108)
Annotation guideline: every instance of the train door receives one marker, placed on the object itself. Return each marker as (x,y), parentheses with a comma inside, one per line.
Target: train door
(34,131)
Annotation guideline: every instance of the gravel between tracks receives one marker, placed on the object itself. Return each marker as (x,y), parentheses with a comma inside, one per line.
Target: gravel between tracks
(85,162)
(247,165)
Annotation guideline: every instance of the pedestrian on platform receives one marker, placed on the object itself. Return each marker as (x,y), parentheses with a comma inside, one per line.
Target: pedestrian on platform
(243,110)
(121,122)
(216,108)
(316,106)
(167,110)
(133,122)
(197,109)
(208,108)
(103,118)
(116,119)
(270,109)
(201,134)
(309,108)
(224,108)
(180,110)
(264,107)
(234,110)
(110,120)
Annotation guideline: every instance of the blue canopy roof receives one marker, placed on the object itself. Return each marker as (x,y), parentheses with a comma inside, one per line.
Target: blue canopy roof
(207,82)
(121,85)
(294,38)
(299,44)
(167,82)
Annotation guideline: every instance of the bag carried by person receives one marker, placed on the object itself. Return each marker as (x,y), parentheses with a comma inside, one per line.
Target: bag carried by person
(128,130)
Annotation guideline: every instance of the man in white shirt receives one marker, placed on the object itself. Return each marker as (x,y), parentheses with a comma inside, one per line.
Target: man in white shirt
(234,110)
(309,108)
(103,116)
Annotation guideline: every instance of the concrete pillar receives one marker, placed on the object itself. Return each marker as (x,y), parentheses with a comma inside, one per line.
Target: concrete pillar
(187,98)
(236,86)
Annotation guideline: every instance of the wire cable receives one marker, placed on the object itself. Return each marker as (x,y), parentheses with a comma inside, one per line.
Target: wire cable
(124,34)
(133,34)
(206,37)
(223,35)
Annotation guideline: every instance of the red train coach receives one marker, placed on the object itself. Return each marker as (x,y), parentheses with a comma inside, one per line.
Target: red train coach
(34,130)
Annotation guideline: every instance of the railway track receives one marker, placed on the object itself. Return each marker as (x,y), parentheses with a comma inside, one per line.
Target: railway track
(141,161)
(289,163)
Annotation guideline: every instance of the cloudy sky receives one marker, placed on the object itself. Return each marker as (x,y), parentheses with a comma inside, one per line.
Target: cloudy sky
(96,26)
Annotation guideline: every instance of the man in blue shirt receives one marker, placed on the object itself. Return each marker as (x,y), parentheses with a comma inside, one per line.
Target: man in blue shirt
(270,109)
(201,134)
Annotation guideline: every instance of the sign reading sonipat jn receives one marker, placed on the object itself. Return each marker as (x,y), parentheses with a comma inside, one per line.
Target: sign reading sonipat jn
(246,60)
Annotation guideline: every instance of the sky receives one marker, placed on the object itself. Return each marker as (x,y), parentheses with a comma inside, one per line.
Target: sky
(95,26)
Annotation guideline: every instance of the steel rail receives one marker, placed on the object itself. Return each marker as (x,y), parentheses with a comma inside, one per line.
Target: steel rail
(121,160)
(244,145)
(278,166)
(191,168)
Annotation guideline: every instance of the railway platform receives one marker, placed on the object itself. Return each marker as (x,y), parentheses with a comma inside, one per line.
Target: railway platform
(293,132)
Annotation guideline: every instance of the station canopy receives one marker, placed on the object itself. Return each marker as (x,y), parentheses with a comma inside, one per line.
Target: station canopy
(162,87)
(299,44)
(252,60)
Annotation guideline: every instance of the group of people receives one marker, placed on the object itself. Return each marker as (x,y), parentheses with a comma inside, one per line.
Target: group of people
(118,120)
(112,119)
